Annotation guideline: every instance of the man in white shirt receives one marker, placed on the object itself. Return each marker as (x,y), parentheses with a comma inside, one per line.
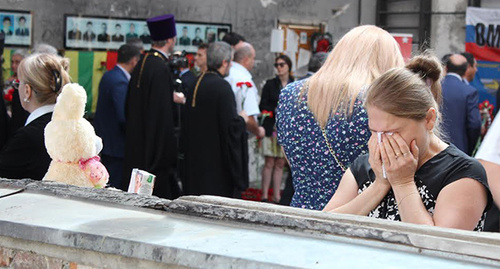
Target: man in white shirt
(245,90)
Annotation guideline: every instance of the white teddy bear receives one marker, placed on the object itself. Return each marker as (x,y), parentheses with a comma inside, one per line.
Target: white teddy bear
(71,142)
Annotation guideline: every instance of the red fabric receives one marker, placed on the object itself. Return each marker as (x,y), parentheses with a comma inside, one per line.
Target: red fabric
(8,95)
(111,59)
(323,45)
(405,45)
(83,162)
(252,194)
(248,84)
(190,58)
(267,113)
(483,53)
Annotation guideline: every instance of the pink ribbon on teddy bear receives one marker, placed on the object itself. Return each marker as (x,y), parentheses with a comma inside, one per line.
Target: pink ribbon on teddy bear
(97,169)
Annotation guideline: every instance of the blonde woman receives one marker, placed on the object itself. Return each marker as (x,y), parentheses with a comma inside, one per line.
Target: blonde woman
(410,174)
(321,123)
(41,78)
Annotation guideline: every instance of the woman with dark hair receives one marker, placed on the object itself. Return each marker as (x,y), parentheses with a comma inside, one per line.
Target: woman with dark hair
(41,78)
(274,157)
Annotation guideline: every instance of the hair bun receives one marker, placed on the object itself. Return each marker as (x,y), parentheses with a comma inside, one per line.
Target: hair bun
(427,66)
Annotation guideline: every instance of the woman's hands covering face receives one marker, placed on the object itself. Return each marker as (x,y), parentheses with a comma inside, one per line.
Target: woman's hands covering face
(375,158)
(399,161)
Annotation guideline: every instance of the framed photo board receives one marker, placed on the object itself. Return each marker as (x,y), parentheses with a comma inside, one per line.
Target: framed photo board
(191,34)
(17,27)
(108,33)
(103,33)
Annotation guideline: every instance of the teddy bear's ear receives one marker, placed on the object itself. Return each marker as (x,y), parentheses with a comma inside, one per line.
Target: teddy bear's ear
(70,103)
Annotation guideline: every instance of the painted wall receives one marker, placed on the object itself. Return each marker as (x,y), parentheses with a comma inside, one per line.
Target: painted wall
(253,19)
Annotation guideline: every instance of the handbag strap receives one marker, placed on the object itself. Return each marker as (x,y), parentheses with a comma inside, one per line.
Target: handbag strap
(330,148)
(331,151)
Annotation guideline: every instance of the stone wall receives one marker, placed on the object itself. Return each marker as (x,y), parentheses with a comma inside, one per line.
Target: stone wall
(19,259)
(253,19)
(51,225)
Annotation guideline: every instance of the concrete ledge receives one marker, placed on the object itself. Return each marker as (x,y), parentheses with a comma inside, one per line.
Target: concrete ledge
(96,227)
(480,247)
(113,196)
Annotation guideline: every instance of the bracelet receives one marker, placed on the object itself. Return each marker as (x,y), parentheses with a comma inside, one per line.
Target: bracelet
(406,197)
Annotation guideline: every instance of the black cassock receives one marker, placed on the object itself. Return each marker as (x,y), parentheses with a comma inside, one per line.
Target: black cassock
(214,140)
(149,142)
(4,120)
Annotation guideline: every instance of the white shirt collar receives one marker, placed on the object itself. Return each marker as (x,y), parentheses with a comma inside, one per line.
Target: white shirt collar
(240,69)
(184,72)
(127,74)
(39,112)
(455,75)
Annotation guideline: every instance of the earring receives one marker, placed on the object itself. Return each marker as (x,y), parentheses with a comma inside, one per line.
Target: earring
(26,100)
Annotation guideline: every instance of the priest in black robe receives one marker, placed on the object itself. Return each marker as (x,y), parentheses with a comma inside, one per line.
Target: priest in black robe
(149,137)
(214,137)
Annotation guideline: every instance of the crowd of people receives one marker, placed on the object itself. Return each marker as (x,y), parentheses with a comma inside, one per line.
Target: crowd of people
(363,133)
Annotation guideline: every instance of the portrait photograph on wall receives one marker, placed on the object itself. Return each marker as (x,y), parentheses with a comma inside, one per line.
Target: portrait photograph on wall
(103,33)
(109,33)
(191,34)
(17,27)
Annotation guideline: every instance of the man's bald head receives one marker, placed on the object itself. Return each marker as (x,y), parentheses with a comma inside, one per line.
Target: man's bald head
(245,55)
(457,64)
(239,45)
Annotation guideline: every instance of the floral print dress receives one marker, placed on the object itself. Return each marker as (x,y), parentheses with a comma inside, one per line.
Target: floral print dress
(316,174)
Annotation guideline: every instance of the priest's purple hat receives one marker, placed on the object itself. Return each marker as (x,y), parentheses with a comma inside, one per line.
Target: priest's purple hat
(162,27)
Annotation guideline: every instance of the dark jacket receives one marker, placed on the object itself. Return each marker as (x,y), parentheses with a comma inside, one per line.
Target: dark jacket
(109,121)
(188,81)
(269,102)
(214,141)
(461,117)
(149,135)
(24,155)
(4,124)
(19,115)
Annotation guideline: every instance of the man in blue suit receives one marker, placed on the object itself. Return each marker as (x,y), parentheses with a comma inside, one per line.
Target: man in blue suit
(461,117)
(109,121)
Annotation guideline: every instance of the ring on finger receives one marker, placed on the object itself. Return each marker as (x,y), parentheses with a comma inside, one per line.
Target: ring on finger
(406,153)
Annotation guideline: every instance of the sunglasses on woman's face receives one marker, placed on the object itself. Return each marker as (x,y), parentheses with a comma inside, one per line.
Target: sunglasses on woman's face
(15,84)
(279,64)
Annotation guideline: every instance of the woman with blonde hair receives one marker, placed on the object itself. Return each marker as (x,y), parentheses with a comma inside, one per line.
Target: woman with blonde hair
(41,78)
(321,123)
(410,174)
